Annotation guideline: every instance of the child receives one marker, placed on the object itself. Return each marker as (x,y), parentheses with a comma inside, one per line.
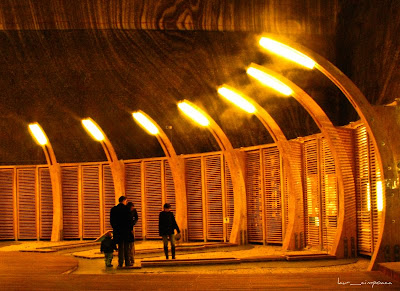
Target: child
(108,246)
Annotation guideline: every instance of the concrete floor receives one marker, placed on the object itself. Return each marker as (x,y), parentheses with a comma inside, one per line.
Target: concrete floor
(22,267)
(91,260)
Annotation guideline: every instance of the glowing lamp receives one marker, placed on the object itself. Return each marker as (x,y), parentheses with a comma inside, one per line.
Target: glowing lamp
(38,133)
(269,81)
(92,128)
(193,113)
(286,52)
(236,99)
(145,123)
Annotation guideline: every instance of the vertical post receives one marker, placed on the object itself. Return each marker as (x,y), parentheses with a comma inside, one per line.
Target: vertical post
(55,176)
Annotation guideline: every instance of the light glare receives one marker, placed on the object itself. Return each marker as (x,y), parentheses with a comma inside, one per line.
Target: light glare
(193,113)
(145,123)
(286,52)
(269,81)
(236,99)
(38,133)
(93,129)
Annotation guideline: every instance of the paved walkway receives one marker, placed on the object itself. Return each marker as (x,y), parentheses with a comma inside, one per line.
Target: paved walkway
(49,271)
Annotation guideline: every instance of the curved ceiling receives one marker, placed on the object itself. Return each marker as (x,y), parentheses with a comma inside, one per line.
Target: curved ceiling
(57,76)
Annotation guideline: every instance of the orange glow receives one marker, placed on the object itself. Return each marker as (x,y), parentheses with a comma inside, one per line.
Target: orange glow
(93,129)
(38,133)
(287,52)
(146,123)
(269,81)
(236,98)
(193,113)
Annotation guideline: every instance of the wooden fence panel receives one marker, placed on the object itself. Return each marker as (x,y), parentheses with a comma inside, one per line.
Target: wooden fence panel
(46,203)
(7,218)
(26,193)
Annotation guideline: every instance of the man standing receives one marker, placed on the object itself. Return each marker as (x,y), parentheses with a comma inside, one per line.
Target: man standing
(120,221)
(166,226)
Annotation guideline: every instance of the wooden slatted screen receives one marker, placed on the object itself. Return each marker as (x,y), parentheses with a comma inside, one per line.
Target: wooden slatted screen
(312,192)
(153,197)
(329,196)
(46,203)
(272,194)
(376,193)
(7,204)
(363,192)
(26,193)
(229,200)
(194,192)
(296,161)
(133,180)
(213,183)
(90,201)
(169,186)
(254,197)
(108,195)
(369,192)
(70,192)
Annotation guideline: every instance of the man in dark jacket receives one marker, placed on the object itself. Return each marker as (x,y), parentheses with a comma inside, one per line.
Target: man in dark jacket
(166,226)
(120,219)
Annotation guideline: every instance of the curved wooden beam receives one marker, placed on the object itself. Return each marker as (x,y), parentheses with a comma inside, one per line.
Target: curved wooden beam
(235,162)
(117,167)
(295,189)
(178,174)
(55,177)
(381,134)
(346,227)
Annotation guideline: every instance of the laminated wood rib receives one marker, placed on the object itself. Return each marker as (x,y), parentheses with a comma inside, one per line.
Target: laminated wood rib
(346,222)
(383,131)
(293,187)
(174,166)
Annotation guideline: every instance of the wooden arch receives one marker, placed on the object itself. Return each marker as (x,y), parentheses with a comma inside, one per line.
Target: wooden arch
(346,227)
(117,167)
(178,175)
(235,162)
(382,125)
(284,147)
(55,177)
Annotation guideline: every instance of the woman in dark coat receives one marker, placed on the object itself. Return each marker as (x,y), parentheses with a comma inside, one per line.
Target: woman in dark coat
(166,227)
(133,220)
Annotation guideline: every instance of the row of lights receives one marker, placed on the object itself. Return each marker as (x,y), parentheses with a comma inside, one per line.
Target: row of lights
(227,92)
